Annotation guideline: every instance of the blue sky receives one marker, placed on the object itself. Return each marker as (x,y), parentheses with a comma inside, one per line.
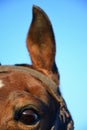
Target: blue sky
(69,20)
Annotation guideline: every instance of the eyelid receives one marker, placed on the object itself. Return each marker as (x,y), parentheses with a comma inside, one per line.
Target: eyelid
(41,109)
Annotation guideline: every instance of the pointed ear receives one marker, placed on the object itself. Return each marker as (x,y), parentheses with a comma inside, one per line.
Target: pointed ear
(41,41)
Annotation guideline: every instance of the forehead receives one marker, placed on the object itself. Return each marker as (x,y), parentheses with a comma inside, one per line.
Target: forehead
(19,81)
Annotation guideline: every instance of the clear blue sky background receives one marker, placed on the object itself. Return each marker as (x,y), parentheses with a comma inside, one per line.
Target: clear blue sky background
(69,20)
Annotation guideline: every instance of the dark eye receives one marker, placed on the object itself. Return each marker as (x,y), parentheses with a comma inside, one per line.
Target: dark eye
(28,116)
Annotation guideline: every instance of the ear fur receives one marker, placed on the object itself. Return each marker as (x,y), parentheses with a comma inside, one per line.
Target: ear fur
(41,41)
(41,46)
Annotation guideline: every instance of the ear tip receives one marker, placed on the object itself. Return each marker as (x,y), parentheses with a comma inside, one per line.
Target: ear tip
(36,9)
(40,15)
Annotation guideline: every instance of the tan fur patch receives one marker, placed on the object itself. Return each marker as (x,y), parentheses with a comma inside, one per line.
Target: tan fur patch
(1,84)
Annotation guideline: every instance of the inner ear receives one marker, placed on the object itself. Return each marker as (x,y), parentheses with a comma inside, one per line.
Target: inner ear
(41,41)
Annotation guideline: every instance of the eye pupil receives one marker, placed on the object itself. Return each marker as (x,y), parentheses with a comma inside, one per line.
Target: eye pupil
(28,117)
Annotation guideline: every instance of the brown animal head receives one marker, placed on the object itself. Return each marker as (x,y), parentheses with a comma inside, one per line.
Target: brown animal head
(30,98)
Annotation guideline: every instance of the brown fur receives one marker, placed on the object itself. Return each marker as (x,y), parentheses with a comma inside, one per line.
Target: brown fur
(21,90)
